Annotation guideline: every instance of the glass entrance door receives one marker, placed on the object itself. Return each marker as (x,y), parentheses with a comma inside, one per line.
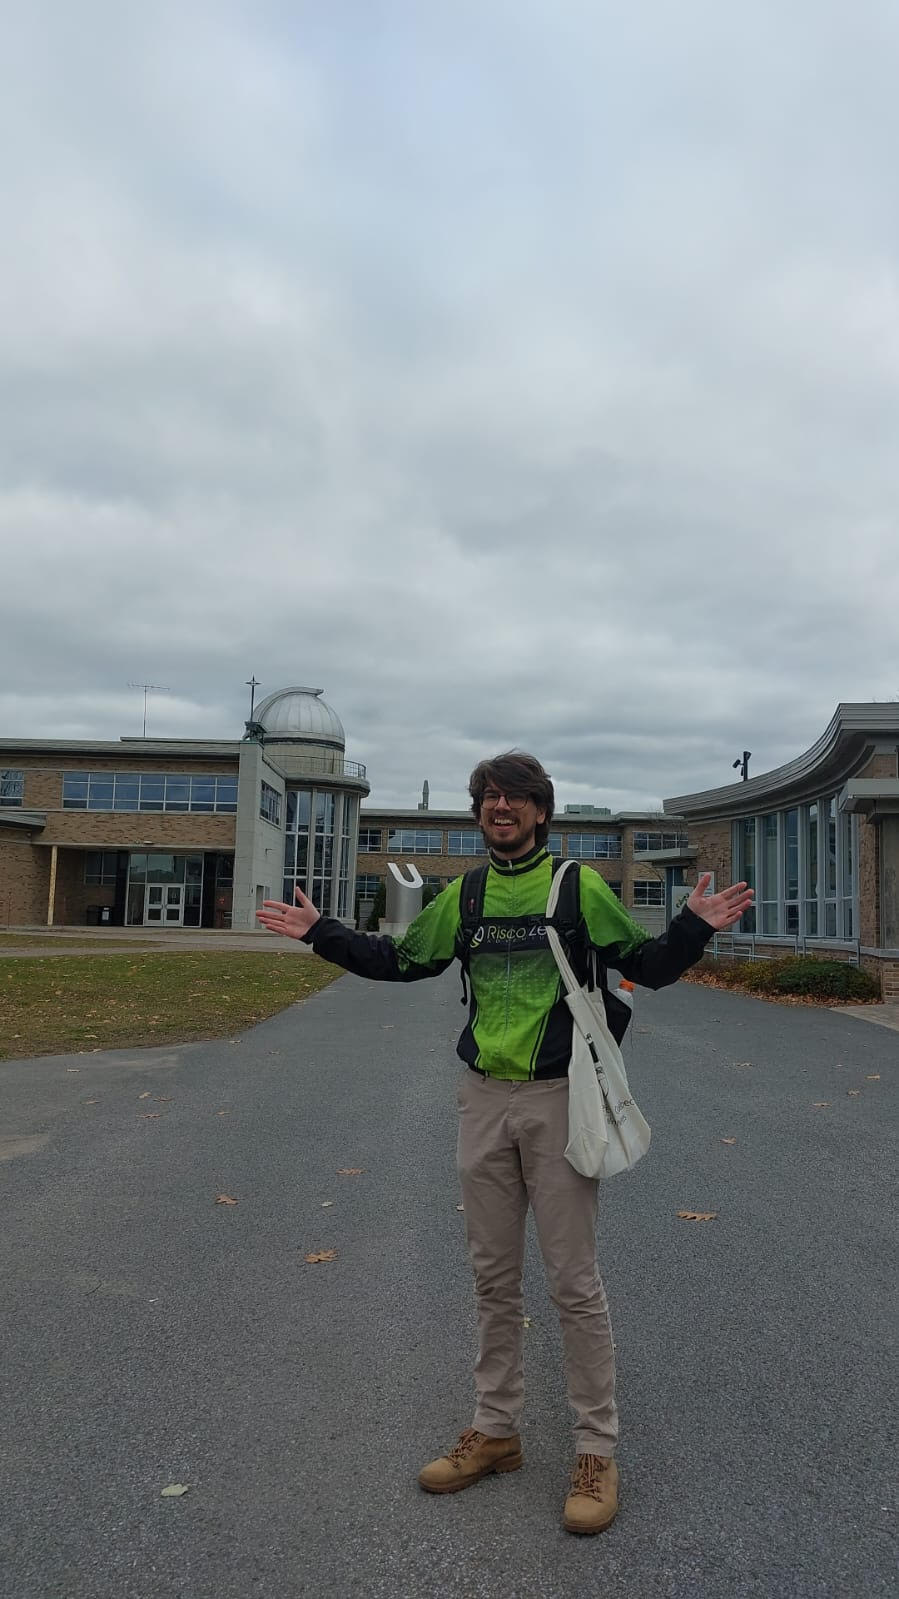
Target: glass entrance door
(164,905)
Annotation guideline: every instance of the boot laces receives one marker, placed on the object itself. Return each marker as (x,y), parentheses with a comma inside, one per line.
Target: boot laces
(588,1474)
(468,1442)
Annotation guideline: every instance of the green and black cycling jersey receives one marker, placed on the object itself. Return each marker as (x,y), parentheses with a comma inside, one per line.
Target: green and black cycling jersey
(519,1026)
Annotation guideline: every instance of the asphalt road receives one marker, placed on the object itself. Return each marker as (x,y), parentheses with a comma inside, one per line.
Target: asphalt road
(151,1336)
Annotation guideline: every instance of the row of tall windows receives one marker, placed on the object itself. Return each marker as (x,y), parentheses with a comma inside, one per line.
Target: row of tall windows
(595,846)
(648,841)
(802,864)
(415,841)
(147,791)
(462,841)
(318,847)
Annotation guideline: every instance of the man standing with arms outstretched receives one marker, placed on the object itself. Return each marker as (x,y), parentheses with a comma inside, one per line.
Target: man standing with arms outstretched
(513,1105)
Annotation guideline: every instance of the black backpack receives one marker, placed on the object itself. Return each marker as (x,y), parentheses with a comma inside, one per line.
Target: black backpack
(567,920)
(568,924)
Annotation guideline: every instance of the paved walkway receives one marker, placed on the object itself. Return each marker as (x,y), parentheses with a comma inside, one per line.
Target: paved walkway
(119,940)
(152,1336)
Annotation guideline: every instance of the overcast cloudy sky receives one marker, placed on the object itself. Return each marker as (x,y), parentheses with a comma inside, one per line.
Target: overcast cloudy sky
(521,372)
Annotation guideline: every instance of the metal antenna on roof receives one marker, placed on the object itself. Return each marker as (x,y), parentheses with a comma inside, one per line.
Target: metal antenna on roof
(149,688)
(252,684)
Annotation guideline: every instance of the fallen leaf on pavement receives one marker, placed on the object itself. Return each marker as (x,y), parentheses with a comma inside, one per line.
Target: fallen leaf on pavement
(164,1099)
(742,1062)
(88,1102)
(150,1115)
(873,1077)
(698,1215)
(225,1199)
(350,1171)
(526,1322)
(321,1254)
(853,1093)
(460,1207)
(326,1203)
(728,1140)
(73,1068)
(144,1096)
(175,1490)
(820,1104)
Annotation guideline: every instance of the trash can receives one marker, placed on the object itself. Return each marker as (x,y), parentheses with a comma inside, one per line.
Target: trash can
(105,915)
(92,916)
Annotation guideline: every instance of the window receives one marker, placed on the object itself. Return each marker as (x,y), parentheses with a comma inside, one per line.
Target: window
(769,886)
(648,892)
(371,840)
(465,841)
(615,887)
(595,846)
(802,864)
(12,786)
(100,866)
(349,827)
(810,829)
(414,841)
(367,885)
(296,842)
(745,872)
(791,871)
(147,791)
(434,883)
(648,841)
(554,843)
(270,804)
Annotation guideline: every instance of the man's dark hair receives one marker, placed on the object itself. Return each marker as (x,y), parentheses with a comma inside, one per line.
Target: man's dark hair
(516,773)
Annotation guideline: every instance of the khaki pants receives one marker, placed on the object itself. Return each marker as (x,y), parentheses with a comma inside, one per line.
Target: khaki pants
(511,1142)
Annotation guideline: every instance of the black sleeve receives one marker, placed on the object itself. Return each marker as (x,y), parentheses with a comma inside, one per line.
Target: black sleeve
(425,949)
(659,961)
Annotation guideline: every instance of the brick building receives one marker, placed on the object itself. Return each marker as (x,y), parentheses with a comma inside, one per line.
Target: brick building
(818,839)
(181,832)
(640,855)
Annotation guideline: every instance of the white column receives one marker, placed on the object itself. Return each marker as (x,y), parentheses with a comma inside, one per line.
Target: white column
(51,897)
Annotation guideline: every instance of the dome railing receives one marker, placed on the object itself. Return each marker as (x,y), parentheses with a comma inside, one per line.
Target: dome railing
(324,765)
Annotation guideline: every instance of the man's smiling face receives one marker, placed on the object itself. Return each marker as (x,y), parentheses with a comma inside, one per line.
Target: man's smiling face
(509,822)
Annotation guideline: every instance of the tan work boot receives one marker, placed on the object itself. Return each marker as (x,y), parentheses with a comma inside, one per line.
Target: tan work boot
(473,1457)
(592,1502)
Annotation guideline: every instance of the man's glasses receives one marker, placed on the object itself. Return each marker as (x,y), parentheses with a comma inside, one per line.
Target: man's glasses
(515,800)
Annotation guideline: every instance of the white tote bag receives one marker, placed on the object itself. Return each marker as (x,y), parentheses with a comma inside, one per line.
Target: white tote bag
(607,1133)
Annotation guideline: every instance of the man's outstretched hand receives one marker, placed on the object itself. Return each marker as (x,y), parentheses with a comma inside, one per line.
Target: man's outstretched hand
(720,910)
(292,921)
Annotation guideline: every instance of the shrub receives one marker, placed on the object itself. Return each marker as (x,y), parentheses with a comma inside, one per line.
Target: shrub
(804,975)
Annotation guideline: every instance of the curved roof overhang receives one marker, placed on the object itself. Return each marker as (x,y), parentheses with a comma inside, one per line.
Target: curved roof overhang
(854,733)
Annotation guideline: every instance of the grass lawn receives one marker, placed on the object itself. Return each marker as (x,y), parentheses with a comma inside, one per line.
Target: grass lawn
(59,1006)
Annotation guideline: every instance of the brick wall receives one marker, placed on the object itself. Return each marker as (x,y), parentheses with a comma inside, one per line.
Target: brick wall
(713,841)
(24,879)
(169,830)
(868,882)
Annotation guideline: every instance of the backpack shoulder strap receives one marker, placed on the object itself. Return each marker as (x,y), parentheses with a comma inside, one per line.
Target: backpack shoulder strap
(471,908)
(567,921)
(567,916)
